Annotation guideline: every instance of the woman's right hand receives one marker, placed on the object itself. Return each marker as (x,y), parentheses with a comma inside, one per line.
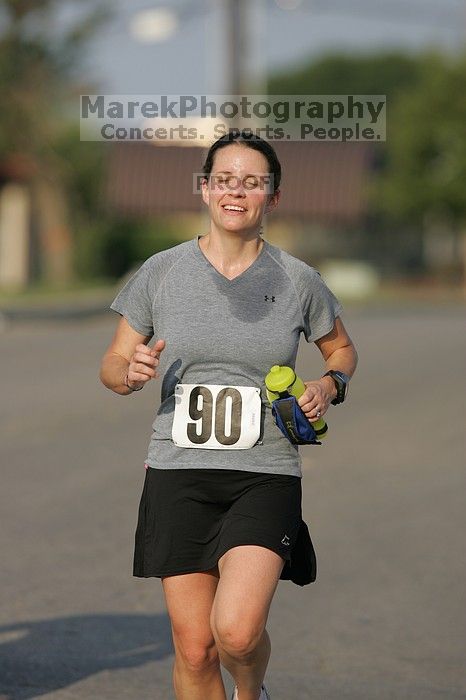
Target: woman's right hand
(143,363)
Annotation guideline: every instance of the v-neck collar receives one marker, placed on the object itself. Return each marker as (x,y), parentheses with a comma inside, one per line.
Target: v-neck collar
(200,255)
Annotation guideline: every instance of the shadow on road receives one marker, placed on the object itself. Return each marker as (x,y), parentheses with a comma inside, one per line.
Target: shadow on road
(45,655)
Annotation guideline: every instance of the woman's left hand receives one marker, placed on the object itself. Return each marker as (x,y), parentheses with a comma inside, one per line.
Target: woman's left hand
(317,397)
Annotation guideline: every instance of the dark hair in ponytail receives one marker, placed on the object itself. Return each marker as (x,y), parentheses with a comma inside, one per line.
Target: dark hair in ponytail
(246,138)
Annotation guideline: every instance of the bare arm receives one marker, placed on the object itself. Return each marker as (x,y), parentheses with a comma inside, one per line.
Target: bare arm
(339,353)
(128,354)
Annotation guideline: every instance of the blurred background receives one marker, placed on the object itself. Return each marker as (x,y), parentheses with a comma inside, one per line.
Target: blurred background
(385,224)
(78,215)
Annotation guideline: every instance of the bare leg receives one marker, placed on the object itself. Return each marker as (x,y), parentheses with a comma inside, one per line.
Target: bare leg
(249,575)
(249,670)
(196,671)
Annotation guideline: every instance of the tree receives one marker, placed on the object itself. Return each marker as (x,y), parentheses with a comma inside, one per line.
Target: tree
(36,69)
(424,178)
(421,180)
(385,73)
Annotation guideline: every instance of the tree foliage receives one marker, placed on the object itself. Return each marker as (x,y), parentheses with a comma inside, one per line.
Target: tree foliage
(425,170)
(385,73)
(37,63)
(37,59)
(423,161)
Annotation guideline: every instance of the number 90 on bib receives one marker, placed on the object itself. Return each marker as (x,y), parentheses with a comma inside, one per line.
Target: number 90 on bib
(216,417)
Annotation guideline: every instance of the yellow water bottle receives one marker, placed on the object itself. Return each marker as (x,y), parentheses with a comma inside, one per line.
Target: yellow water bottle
(284,379)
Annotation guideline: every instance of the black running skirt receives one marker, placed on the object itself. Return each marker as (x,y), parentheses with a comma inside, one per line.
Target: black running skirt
(188,518)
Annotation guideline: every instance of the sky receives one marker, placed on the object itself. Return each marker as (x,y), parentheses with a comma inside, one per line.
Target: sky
(194,59)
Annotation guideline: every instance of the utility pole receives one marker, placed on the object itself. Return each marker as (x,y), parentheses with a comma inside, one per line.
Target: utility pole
(245,69)
(236,46)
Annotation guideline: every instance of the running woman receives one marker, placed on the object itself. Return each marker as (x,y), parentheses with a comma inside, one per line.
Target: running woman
(220,520)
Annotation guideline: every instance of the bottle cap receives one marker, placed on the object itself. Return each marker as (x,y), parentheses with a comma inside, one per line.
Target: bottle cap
(279,378)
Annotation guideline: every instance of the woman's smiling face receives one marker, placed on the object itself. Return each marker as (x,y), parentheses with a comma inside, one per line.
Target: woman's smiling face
(239,190)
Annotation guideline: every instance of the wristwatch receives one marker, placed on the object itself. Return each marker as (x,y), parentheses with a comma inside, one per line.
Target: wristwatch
(341,382)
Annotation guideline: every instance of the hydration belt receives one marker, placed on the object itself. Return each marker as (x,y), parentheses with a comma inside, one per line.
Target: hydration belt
(292,421)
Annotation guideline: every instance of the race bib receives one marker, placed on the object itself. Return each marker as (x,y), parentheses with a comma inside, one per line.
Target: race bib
(216,417)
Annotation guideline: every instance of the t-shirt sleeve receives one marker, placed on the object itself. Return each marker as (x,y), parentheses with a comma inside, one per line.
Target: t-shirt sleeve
(321,307)
(134,301)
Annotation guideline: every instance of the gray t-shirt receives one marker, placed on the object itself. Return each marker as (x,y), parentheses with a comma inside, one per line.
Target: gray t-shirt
(225,332)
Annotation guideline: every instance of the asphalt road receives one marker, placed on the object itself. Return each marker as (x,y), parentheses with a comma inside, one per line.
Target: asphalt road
(383,498)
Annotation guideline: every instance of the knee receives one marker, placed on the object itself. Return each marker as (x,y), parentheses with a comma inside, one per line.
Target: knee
(197,656)
(238,640)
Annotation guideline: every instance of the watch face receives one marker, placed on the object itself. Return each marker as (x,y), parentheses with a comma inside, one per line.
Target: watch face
(344,385)
(342,380)
(345,390)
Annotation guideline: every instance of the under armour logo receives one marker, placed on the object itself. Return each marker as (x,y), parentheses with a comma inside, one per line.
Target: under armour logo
(286,540)
(267,298)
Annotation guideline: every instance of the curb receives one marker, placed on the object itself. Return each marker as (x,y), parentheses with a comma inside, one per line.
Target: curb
(62,313)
